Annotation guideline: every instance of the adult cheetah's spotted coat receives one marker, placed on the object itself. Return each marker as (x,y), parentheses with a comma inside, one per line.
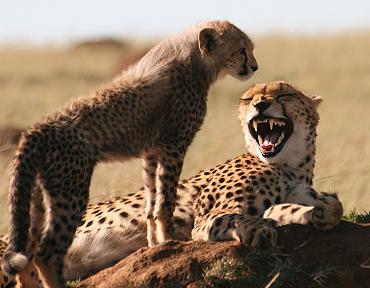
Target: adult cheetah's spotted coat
(152,111)
(239,199)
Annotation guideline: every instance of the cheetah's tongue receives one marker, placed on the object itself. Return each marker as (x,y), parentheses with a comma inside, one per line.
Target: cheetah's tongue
(270,141)
(267,146)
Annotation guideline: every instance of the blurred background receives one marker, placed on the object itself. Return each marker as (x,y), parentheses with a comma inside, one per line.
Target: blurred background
(54,51)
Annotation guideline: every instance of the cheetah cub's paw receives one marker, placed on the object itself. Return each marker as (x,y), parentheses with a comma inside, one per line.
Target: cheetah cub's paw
(256,232)
(327,212)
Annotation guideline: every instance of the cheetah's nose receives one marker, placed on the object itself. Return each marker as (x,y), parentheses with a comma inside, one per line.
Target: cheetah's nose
(262,106)
(254,68)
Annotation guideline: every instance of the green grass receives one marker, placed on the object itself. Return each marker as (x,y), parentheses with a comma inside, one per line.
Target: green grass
(35,81)
(355,217)
(74,283)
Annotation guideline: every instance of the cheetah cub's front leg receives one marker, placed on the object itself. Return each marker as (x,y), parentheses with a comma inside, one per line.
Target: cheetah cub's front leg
(323,210)
(253,231)
(150,163)
(161,175)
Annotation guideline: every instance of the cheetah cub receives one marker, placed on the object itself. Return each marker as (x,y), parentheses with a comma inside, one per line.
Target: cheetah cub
(152,111)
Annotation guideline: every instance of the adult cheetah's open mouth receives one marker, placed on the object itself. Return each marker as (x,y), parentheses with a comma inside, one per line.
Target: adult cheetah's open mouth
(270,134)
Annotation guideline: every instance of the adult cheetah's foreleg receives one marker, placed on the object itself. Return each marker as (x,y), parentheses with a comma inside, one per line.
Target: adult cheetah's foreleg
(251,230)
(323,210)
(170,162)
(150,163)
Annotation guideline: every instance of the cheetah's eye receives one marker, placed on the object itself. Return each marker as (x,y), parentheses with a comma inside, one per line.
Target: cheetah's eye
(246,98)
(283,97)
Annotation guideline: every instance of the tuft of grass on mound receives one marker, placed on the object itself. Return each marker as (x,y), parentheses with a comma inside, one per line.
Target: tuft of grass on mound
(74,283)
(355,217)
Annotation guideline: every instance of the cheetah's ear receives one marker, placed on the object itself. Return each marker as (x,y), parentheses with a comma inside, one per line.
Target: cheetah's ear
(316,99)
(207,40)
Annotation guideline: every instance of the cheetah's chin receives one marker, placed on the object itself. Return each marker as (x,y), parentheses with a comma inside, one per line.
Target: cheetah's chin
(270,134)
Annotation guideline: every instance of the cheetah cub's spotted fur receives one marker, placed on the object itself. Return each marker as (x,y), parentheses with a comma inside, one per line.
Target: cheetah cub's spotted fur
(152,111)
(242,199)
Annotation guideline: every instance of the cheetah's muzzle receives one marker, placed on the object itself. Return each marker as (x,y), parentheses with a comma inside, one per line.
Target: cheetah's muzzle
(271,134)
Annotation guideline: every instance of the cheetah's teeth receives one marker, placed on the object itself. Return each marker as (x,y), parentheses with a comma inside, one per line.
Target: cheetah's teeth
(260,140)
(255,125)
(271,123)
(277,122)
(280,139)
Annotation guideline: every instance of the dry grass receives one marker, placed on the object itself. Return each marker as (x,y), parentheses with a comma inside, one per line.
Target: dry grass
(34,82)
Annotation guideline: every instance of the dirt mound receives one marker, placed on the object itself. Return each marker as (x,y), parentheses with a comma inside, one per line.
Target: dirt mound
(306,257)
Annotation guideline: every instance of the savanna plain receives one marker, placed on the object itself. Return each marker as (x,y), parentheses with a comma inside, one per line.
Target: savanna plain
(36,80)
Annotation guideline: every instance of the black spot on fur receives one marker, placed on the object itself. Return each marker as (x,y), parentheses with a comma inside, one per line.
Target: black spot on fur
(266,203)
(295,209)
(218,221)
(252,210)
(277,200)
(313,194)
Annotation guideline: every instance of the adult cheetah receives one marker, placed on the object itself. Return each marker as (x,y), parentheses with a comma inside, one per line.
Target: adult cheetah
(240,199)
(152,111)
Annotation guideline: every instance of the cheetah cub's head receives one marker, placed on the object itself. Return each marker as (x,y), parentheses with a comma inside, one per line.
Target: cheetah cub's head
(279,122)
(227,49)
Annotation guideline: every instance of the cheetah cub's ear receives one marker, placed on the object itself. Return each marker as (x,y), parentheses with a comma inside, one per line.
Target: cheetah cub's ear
(207,40)
(316,100)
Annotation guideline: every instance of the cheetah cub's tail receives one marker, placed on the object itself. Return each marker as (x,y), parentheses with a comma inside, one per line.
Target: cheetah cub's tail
(22,182)
(14,262)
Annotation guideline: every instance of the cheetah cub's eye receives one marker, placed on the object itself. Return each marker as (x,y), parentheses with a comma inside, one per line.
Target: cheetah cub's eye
(243,51)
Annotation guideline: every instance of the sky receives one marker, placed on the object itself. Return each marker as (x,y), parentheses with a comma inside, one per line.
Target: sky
(39,21)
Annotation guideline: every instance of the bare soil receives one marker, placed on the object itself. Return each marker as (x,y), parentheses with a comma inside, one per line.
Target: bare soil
(305,257)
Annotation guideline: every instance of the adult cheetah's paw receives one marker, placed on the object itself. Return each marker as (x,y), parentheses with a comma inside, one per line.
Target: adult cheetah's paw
(256,232)
(327,212)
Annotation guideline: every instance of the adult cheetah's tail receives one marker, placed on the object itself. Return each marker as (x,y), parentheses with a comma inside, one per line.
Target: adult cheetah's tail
(22,182)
